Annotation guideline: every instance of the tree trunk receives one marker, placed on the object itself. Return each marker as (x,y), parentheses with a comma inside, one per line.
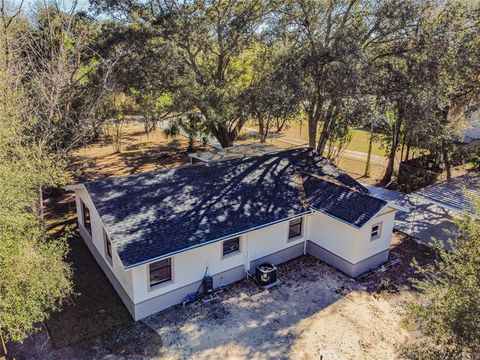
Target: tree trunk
(369,154)
(191,143)
(312,131)
(281,124)
(409,145)
(322,141)
(324,135)
(448,165)
(223,136)
(403,145)
(393,150)
(262,129)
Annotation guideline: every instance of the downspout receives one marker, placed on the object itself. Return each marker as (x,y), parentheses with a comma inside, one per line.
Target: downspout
(307,227)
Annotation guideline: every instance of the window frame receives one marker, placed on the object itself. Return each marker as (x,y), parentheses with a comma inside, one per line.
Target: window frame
(300,233)
(163,282)
(234,252)
(379,232)
(84,218)
(107,243)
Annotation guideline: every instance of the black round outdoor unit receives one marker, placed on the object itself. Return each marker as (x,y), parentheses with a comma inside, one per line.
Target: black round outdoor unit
(266,274)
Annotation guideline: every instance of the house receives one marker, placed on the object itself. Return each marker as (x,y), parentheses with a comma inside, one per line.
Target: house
(471,132)
(156,235)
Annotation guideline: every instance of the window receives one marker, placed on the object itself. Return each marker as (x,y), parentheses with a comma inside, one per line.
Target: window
(160,272)
(86,218)
(230,246)
(376,231)
(295,228)
(108,246)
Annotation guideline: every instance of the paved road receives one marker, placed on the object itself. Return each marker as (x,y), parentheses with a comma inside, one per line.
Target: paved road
(425,221)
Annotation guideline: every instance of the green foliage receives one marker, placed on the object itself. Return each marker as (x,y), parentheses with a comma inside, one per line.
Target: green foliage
(448,315)
(191,125)
(34,278)
(475,162)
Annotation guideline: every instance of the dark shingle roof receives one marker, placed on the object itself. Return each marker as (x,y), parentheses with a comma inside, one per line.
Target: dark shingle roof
(352,207)
(164,212)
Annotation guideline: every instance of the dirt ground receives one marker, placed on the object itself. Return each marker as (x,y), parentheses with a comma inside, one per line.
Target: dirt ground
(139,153)
(315,311)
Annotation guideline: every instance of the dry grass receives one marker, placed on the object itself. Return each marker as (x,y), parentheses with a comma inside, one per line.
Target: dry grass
(139,153)
(356,169)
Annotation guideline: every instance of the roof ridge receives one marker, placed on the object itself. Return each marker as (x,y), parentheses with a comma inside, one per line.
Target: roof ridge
(336,182)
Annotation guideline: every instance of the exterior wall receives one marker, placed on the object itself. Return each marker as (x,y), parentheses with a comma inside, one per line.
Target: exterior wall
(347,248)
(96,242)
(191,266)
(472,131)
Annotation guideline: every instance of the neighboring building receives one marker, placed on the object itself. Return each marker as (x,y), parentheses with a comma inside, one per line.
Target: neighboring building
(156,235)
(471,133)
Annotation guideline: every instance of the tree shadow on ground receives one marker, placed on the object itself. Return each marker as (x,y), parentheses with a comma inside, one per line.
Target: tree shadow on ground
(95,306)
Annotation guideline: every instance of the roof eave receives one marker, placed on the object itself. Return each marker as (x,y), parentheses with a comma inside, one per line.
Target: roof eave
(128,267)
(74,187)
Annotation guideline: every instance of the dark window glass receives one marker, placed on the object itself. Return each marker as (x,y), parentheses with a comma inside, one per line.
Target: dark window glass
(375,231)
(295,228)
(231,246)
(86,218)
(160,272)
(108,245)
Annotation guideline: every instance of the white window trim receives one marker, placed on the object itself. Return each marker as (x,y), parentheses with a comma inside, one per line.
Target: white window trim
(379,235)
(235,253)
(302,230)
(163,284)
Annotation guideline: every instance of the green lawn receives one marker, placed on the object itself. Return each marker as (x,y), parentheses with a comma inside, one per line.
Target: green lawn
(359,141)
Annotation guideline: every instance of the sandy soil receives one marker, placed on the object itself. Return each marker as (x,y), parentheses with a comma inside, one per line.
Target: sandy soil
(315,311)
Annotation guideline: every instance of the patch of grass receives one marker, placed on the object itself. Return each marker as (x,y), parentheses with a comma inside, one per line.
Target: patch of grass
(140,153)
(359,141)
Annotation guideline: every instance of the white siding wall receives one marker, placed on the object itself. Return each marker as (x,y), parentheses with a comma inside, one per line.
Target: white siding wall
(190,266)
(123,276)
(349,243)
(271,239)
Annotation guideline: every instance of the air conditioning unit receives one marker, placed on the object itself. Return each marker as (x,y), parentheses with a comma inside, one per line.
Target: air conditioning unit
(266,274)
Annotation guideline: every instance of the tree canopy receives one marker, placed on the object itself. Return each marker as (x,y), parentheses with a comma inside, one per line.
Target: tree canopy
(449,308)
